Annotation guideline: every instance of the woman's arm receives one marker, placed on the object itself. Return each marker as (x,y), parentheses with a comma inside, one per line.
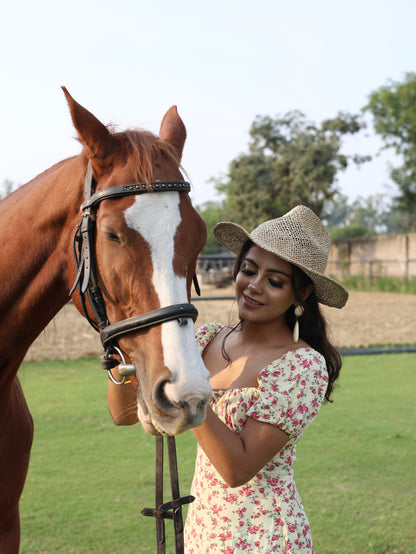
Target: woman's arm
(238,458)
(122,401)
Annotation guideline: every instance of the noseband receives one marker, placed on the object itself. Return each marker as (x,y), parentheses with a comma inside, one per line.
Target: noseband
(86,278)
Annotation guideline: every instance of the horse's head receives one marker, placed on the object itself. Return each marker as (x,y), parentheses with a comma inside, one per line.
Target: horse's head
(146,248)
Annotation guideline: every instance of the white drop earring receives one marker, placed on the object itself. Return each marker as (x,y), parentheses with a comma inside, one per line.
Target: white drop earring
(298,312)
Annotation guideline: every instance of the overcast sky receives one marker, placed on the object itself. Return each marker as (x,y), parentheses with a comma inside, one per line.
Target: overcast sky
(221,62)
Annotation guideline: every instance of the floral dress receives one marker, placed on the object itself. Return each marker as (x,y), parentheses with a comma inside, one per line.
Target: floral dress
(266,514)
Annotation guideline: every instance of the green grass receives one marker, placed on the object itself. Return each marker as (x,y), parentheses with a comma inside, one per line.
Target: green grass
(88,479)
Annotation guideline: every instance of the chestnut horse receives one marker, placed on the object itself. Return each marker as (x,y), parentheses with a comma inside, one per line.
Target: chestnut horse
(141,249)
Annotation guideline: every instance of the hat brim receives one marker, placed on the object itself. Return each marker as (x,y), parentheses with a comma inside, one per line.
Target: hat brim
(327,290)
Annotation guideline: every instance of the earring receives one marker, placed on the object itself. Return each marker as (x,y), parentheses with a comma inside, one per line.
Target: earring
(298,312)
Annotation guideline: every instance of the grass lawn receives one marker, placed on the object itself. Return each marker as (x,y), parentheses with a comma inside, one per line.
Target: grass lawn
(88,479)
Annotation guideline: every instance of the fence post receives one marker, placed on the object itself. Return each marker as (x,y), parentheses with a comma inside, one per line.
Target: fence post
(371,274)
(407,261)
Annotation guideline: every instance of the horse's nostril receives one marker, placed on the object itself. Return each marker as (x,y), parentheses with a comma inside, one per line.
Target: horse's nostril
(161,399)
(195,406)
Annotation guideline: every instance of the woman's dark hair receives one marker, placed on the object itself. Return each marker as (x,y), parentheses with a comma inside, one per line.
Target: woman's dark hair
(313,328)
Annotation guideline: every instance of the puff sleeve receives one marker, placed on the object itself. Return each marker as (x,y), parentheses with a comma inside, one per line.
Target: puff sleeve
(205,334)
(291,391)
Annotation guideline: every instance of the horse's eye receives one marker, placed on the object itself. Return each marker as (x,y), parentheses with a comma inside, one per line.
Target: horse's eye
(112,236)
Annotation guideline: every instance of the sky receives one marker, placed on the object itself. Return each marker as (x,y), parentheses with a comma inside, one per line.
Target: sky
(221,63)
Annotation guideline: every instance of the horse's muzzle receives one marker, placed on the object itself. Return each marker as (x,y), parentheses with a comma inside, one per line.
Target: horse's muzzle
(176,409)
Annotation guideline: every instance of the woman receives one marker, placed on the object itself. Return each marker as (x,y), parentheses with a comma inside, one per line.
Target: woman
(268,383)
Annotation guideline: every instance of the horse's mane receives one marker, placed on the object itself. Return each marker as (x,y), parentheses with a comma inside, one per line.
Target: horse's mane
(146,149)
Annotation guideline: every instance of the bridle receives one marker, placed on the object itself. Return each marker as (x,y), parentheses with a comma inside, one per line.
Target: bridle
(86,278)
(87,283)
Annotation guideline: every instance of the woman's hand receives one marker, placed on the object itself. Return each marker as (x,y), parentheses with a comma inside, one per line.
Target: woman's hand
(122,401)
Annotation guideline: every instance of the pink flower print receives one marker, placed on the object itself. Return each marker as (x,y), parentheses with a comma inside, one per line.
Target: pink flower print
(273,481)
(290,413)
(253,529)
(303,408)
(242,544)
(246,491)
(231,497)
(216,509)
(292,527)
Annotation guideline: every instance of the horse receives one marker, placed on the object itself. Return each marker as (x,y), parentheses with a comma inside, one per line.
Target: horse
(135,241)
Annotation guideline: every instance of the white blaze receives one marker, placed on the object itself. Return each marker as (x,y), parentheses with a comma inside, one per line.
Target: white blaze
(156,217)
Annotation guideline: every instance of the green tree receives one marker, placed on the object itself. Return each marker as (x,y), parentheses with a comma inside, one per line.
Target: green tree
(393,107)
(211,212)
(7,187)
(337,211)
(364,217)
(368,212)
(290,161)
(396,221)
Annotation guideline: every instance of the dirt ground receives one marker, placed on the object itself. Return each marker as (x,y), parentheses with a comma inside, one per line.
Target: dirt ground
(367,319)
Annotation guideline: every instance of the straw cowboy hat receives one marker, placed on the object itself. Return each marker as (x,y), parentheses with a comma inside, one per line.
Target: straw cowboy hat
(299,237)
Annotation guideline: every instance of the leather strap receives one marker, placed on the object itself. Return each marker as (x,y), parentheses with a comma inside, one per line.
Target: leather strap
(110,334)
(133,189)
(173,508)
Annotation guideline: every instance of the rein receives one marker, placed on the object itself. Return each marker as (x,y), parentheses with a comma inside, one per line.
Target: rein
(86,281)
(172,509)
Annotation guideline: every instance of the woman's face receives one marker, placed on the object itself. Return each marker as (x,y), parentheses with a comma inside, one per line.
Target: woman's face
(263,285)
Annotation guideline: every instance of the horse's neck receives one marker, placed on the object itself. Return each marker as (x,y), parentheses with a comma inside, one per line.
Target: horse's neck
(36,225)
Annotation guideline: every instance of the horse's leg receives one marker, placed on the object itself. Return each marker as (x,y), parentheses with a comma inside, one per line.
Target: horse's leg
(10,534)
(16,434)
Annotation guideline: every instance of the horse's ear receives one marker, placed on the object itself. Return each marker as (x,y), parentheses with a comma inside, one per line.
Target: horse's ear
(93,134)
(173,131)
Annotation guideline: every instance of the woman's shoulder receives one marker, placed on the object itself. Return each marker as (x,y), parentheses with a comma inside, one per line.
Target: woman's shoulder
(305,354)
(298,361)
(206,333)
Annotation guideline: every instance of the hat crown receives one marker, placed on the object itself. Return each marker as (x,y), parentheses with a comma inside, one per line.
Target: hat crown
(299,236)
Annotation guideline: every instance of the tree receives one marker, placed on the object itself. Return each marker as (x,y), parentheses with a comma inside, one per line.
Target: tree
(366,216)
(337,211)
(211,212)
(8,187)
(290,161)
(393,107)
